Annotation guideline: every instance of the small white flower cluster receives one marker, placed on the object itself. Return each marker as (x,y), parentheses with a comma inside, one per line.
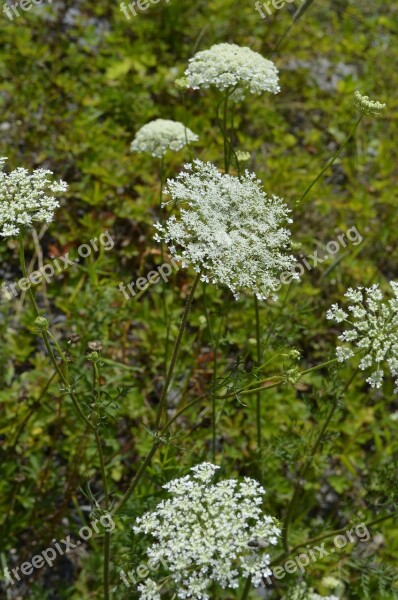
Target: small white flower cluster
(372,108)
(231,66)
(303,592)
(209,532)
(374,329)
(24,199)
(158,136)
(229,229)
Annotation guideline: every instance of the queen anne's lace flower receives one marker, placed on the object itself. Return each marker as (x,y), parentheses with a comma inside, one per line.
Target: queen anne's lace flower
(210,532)
(229,229)
(161,135)
(228,66)
(24,199)
(374,328)
(372,108)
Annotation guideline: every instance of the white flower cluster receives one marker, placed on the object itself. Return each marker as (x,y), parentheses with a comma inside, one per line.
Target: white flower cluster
(303,592)
(368,107)
(229,229)
(209,532)
(158,136)
(231,66)
(24,199)
(374,328)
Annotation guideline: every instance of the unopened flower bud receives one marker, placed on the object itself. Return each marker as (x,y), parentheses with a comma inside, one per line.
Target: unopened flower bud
(294,354)
(93,357)
(40,325)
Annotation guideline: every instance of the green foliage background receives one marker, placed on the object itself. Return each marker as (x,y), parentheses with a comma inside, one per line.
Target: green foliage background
(77,79)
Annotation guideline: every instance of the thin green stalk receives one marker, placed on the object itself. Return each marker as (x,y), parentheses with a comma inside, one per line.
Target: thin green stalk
(299,12)
(246,589)
(331,160)
(245,391)
(25,273)
(161,177)
(258,347)
(225,130)
(107,535)
(107,558)
(176,351)
(47,335)
(302,474)
(158,440)
(324,536)
(163,291)
(137,477)
(214,343)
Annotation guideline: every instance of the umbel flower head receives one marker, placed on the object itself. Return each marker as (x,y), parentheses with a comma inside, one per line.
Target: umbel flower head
(25,198)
(209,532)
(158,136)
(373,329)
(230,66)
(372,108)
(229,229)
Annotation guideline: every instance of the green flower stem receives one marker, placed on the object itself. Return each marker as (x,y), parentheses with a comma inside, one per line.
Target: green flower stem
(176,351)
(324,536)
(245,391)
(246,588)
(47,335)
(331,160)
(107,534)
(303,472)
(223,124)
(225,131)
(162,257)
(157,443)
(299,12)
(214,342)
(158,440)
(258,347)
(161,177)
(25,274)
(297,488)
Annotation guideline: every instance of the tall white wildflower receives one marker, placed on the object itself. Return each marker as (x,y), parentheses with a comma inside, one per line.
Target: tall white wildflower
(209,532)
(25,198)
(230,66)
(158,136)
(229,229)
(373,329)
